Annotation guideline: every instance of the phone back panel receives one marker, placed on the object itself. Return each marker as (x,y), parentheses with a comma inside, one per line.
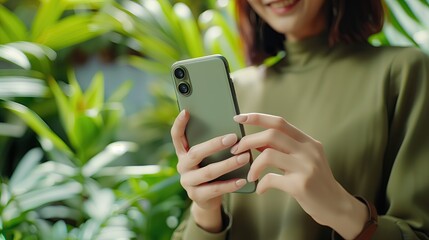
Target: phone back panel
(212,105)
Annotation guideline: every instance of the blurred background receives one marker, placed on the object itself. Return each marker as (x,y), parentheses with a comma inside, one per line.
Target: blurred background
(86,105)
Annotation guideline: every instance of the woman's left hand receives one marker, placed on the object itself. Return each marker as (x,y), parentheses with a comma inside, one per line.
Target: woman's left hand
(305,172)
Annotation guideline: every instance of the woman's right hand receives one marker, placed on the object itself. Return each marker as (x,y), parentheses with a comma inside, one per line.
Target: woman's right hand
(205,194)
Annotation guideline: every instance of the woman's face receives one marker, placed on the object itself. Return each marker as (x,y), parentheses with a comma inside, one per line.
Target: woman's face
(297,19)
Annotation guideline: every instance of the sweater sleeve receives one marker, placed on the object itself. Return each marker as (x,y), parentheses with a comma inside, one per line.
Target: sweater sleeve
(188,229)
(406,213)
(404,208)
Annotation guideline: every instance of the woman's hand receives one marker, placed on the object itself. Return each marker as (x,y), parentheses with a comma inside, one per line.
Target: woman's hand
(305,173)
(206,195)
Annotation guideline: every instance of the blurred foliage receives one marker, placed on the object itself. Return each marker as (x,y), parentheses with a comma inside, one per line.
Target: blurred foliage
(160,33)
(75,193)
(407,23)
(71,181)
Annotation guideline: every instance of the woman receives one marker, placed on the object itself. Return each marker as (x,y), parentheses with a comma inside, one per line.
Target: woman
(338,127)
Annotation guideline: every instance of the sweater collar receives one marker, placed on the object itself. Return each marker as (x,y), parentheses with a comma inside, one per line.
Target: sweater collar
(307,52)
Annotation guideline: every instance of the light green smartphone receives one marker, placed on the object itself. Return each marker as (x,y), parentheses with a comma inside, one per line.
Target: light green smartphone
(204,88)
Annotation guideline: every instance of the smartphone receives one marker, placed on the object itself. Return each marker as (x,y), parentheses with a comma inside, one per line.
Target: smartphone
(204,88)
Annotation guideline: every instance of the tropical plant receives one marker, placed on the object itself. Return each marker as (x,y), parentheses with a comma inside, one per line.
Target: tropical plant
(407,23)
(25,67)
(50,27)
(30,57)
(76,184)
(161,33)
(164,33)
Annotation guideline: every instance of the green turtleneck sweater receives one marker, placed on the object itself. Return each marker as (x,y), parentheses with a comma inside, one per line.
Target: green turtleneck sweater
(369,107)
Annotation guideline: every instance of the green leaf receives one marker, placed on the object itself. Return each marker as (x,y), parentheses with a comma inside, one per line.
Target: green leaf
(5,195)
(138,171)
(112,114)
(21,73)
(421,11)
(100,204)
(66,111)
(164,189)
(406,8)
(403,24)
(59,231)
(4,38)
(11,26)
(219,33)
(108,155)
(190,30)
(41,175)
(48,14)
(94,95)
(60,212)
(119,94)
(40,52)
(216,42)
(14,56)
(150,66)
(54,154)
(93,4)
(158,15)
(135,20)
(89,230)
(40,57)
(70,31)
(393,20)
(157,50)
(18,86)
(39,197)
(26,165)
(173,22)
(85,130)
(379,39)
(424,2)
(76,90)
(36,123)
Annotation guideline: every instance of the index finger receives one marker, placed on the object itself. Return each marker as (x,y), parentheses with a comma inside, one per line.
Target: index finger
(178,133)
(275,122)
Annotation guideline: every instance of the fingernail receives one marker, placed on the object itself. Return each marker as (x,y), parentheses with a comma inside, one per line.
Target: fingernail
(240,182)
(182,114)
(243,158)
(229,139)
(250,178)
(234,149)
(240,118)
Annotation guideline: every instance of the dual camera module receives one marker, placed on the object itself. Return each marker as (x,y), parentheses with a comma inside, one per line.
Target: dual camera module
(183,84)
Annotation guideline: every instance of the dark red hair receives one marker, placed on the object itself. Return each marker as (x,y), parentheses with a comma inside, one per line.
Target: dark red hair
(349,21)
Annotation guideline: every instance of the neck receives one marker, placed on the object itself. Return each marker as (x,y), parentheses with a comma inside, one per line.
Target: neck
(296,37)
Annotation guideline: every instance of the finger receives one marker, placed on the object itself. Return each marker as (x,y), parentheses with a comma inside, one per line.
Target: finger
(200,151)
(270,138)
(272,158)
(178,133)
(271,121)
(209,191)
(272,180)
(214,170)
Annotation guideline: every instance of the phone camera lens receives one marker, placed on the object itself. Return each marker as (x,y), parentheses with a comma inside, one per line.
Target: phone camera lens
(183,88)
(179,73)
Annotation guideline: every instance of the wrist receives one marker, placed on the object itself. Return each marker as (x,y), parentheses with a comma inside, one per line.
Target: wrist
(208,219)
(350,218)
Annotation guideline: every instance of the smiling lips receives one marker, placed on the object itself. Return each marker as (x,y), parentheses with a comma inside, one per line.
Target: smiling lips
(282,6)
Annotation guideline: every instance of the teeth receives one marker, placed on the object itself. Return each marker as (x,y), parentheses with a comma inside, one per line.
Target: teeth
(282,4)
